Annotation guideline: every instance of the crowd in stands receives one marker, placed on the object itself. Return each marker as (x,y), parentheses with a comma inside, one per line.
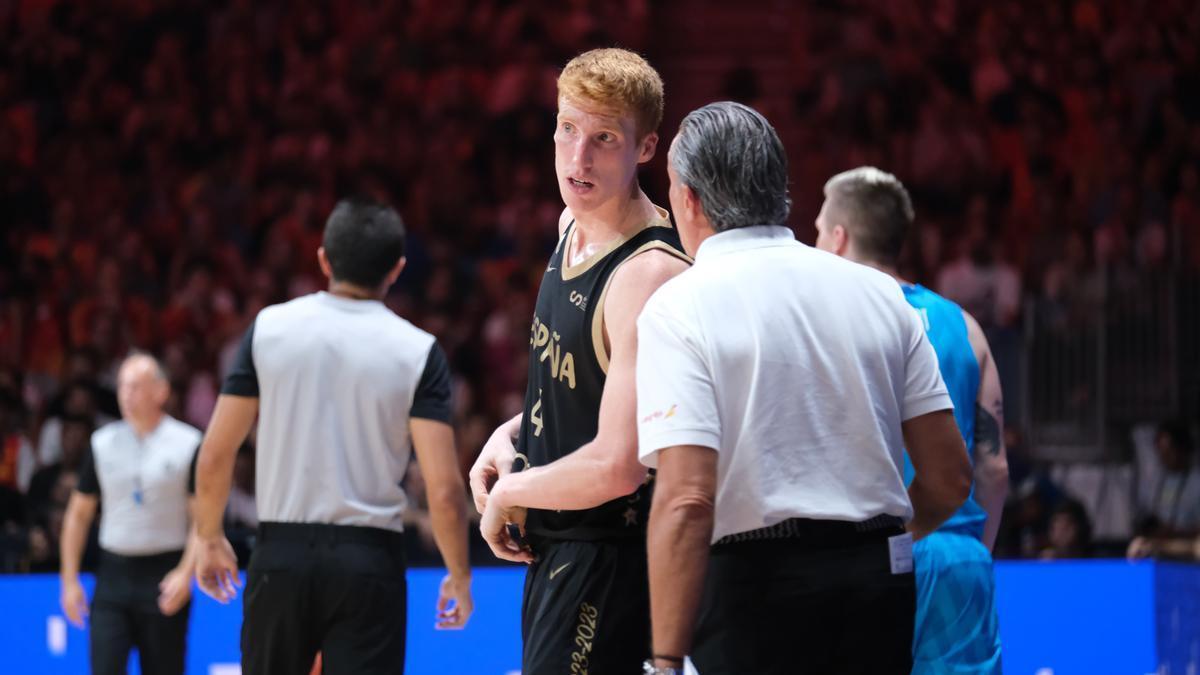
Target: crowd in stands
(166,169)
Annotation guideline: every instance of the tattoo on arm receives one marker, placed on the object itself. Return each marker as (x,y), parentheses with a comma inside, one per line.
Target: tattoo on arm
(987,429)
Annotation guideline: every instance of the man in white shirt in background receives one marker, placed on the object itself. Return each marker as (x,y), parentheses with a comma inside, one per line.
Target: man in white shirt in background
(778,387)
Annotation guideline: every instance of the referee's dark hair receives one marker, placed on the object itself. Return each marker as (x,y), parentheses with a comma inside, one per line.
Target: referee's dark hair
(363,241)
(874,208)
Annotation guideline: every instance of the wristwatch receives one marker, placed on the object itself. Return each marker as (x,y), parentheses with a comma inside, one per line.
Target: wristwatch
(648,668)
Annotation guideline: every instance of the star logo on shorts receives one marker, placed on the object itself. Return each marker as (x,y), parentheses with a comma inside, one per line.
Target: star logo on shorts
(630,517)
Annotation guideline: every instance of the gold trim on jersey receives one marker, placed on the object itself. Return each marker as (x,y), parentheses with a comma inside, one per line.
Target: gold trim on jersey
(570,271)
(598,315)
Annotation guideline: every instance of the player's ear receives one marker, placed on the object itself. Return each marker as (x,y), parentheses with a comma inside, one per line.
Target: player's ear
(395,273)
(323,263)
(841,240)
(647,148)
(691,202)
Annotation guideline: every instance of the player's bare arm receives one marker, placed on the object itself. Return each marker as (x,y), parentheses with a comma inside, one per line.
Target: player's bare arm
(681,525)
(81,511)
(433,443)
(175,589)
(991,457)
(607,467)
(943,472)
(216,564)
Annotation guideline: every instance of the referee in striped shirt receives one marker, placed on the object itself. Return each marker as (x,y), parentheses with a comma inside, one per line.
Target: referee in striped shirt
(344,390)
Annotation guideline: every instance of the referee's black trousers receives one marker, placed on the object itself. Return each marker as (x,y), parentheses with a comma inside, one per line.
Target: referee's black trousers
(826,602)
(125,615)
(335,589)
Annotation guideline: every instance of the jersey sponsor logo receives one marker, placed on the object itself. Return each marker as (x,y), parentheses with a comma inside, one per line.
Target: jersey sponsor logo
(560,361)
(554,572)
(579,300)
(660,415)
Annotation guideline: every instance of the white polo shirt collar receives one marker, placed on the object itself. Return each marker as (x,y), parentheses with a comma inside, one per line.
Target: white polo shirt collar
(744,238)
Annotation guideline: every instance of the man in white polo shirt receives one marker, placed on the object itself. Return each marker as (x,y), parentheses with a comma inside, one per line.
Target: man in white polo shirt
(778,387)
(139,471)
(344,390)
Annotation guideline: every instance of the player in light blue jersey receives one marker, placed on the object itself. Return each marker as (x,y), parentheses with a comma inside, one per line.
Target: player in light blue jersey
(865,218)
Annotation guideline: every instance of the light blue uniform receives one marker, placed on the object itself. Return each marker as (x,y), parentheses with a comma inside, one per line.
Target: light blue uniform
(957,630)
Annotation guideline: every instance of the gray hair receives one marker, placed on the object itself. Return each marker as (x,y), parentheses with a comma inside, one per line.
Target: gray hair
(874,208)
(160,372)
(731,157)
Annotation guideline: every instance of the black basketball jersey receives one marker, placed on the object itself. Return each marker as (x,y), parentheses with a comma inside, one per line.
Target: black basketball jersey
(568,363)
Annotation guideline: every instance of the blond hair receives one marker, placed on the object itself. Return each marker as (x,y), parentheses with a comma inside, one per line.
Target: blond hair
(618,79)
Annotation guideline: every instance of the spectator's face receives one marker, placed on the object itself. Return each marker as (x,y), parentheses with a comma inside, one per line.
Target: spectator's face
(596,155)
(1063,532)
(40,545)
(141,391)
(1168,452)
(75,438)
(80,367)
(80,402)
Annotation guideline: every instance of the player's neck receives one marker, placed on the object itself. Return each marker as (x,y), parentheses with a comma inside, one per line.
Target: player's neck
(887,269)
(344,289)
(617,219)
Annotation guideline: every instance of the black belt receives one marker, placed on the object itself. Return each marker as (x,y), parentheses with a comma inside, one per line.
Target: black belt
(817,530)
(153,563)
(329,534)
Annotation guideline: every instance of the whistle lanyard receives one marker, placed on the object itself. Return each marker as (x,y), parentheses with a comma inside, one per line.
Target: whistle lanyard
(139,494)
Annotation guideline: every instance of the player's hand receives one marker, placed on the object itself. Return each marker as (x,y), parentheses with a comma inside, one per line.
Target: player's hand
(216,568)
(495,462)
(454,605)
(494,527)
(175,590)
(74,602)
